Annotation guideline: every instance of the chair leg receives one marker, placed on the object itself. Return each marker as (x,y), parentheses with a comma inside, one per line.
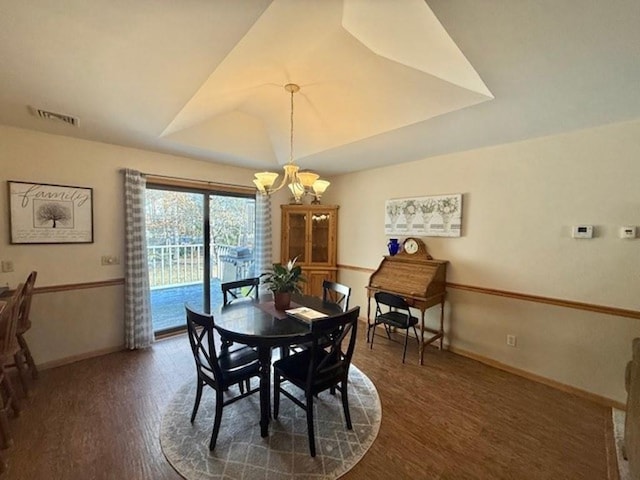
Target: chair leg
(415,332)
(373,335)
(216,420)
(345,404)
(404,351)
(20,362)
(388,330)
(310,431)
(12,399)
(27,354)
(7,439)
(197,402)
(276,395)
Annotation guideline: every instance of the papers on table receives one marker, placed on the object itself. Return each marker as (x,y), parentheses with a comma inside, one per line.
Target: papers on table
(305,314)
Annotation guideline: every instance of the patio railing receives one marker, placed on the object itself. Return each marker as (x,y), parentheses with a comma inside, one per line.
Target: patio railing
(179,264)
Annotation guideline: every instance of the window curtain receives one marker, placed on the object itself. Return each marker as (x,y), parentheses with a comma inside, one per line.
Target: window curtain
(138,329)
(263,234)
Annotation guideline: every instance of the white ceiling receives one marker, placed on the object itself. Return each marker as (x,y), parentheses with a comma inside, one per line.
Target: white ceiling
(382,81)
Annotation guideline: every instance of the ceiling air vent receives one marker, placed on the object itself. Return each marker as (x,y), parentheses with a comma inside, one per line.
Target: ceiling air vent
(57,117)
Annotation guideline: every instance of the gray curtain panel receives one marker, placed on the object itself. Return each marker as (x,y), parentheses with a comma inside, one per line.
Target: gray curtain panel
(263,235)
(138,329)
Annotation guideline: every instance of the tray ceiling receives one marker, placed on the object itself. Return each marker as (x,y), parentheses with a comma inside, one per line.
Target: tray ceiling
(382,82)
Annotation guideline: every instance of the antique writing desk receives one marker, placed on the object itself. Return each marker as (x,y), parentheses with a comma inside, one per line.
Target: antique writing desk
(415,276)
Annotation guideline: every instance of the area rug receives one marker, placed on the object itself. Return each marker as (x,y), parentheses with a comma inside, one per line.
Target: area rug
(241,453)
(618,435)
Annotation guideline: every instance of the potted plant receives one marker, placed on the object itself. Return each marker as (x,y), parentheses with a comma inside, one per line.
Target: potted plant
(283,280)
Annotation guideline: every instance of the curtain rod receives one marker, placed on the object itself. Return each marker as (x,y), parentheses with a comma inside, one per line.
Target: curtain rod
(176,180)
(208,182)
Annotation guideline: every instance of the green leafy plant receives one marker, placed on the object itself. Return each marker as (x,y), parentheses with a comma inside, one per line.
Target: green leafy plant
(284,278)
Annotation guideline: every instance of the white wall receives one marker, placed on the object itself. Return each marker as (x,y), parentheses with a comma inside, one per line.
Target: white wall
(77,322)
(519,202)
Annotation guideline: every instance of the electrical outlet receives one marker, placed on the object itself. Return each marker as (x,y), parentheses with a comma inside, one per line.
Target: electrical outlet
(110,260)
(511,340)
(7,266)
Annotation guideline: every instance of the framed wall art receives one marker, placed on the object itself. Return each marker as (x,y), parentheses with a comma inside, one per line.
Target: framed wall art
(434,216)
(44,213)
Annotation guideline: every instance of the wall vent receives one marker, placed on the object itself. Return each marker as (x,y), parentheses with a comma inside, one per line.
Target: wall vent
(57,117)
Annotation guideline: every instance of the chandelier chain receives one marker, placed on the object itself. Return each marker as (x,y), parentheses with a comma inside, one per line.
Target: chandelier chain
(291,131)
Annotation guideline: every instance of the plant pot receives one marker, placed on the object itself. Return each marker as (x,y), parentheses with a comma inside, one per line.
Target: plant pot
(282,300)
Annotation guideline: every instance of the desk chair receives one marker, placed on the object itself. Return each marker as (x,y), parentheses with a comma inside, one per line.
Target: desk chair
(319,368)
(217,371)
(393,311)
(240,289)
(336,293)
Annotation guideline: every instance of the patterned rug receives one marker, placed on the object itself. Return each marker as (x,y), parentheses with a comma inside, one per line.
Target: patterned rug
(241,453)
(618,435)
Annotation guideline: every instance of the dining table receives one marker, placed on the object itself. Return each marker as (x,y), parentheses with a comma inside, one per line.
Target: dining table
(258,324)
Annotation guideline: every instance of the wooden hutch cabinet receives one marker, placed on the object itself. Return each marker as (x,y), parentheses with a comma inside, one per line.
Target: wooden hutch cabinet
(309,232)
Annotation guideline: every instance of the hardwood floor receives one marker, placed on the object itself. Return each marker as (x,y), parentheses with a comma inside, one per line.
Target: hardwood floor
(453,418)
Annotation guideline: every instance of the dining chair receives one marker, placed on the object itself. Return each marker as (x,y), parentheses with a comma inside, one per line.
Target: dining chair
(393,311)
(235,291)
(5,312)
(332,292)
(319,367)
(9,350)
(24,323)
(240,289)
(217,371)
(336,293)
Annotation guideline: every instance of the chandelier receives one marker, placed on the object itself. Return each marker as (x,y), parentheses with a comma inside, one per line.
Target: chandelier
(300,183)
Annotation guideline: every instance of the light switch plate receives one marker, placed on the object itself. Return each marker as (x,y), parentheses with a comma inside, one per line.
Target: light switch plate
(582,231)
(7,266)
(628,232)
(106,260)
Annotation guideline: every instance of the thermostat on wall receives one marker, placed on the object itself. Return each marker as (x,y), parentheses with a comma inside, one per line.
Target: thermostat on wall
(582,231)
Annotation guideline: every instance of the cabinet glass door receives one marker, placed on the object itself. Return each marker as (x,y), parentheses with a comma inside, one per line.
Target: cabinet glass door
(297,229)
(320,237)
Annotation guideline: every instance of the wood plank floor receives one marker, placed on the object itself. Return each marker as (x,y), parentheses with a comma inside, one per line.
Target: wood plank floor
(453,418)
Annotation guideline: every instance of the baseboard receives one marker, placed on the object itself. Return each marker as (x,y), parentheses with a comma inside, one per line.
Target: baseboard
(613,470)
(607,402)
(77,358)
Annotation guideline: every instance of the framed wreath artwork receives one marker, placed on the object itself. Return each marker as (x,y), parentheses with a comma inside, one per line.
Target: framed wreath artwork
(44,213)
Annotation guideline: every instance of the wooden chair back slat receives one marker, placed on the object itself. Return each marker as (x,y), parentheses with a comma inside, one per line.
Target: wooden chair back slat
(240,289)
(336,293)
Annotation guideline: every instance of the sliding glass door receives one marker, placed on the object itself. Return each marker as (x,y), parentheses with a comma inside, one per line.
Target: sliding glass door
(196,240)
